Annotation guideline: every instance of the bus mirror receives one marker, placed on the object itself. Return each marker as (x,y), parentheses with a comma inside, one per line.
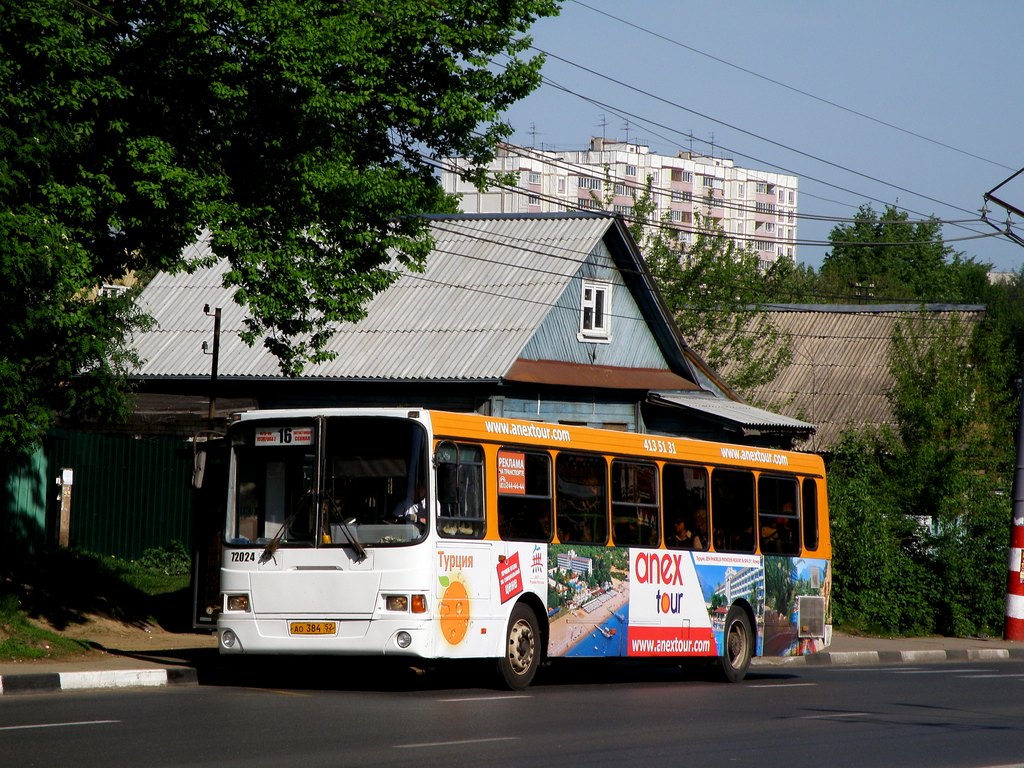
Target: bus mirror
(198,469)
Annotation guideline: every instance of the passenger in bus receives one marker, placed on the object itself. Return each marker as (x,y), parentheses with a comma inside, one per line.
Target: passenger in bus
(700,528)
(683,536)
(777,532)
(777,535)
(788,526)
(770,534)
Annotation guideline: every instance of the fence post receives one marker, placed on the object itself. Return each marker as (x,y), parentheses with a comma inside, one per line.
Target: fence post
(66,481)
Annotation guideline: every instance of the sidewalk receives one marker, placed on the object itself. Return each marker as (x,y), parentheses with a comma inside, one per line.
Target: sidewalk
(862,650)
(191,654)
(178,663)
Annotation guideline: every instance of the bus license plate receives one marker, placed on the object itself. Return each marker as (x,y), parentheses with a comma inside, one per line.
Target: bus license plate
(313,628)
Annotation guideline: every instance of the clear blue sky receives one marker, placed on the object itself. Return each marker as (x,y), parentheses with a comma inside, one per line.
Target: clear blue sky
(946,71)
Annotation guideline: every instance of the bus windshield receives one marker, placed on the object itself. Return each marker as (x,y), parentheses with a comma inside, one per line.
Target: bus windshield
(318,482)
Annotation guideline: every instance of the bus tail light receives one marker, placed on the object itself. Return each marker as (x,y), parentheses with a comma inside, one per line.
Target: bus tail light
(238,603)
(419,603)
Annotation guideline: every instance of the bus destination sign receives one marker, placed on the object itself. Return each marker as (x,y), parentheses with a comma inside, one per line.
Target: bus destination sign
(284,436)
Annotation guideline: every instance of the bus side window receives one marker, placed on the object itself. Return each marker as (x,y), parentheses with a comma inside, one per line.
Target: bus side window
(581,493)
(809,511)
(635,503)
(685,500)
(732,510)
(524,495)
(777,521)
(460,490)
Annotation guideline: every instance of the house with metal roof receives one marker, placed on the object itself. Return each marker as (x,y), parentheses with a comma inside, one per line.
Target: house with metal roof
(550,317)
(839,377)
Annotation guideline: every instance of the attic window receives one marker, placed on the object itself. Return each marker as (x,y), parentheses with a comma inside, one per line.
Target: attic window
(595,312)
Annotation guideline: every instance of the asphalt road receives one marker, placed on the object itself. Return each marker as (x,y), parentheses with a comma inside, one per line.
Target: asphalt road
(936,715)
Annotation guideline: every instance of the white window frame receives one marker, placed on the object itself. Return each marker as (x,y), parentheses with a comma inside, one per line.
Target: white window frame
(595,312)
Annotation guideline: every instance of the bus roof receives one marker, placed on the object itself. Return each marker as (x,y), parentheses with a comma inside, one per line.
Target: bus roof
(493,429)
(568,437)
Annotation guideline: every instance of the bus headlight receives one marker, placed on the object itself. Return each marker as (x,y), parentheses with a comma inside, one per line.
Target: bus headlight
(228,638)
(238,603)
(396,602)
(404,639)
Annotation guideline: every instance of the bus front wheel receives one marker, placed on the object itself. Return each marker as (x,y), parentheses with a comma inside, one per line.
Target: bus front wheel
(518,664)
(738,641)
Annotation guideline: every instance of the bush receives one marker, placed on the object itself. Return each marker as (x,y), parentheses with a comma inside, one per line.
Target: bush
(172,561)
(878,584)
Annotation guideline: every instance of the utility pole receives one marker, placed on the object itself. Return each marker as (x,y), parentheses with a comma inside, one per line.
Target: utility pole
(1013,622)
(215,362)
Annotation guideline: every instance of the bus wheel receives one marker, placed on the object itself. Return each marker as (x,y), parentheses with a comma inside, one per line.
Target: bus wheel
(739,643)
(521,658)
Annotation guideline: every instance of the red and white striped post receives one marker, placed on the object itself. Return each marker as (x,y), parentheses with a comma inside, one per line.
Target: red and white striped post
(1013,626)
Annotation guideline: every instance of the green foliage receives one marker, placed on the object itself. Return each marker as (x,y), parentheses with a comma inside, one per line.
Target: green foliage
(716,291)
(920,515)
(20,639)
(68,587)
(171,561)
(300,133)
(890,258)
(970,560)
(877,583)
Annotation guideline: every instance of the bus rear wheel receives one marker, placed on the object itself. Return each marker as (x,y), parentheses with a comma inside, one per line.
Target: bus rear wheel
(518,664)
(739,642)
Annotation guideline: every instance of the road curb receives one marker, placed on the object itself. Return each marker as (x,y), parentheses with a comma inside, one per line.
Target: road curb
(921,656)
(56,682)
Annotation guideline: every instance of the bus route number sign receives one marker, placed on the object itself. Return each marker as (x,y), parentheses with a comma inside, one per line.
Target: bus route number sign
(284,436)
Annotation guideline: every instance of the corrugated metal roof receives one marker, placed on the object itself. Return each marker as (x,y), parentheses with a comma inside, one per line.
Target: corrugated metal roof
(839,376)
(487,286)
(746,416)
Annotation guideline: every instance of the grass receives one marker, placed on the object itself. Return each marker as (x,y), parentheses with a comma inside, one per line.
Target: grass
(63,588)
(20,639)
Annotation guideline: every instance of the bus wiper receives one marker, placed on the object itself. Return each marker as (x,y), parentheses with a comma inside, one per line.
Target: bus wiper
(350,537)
(353,540)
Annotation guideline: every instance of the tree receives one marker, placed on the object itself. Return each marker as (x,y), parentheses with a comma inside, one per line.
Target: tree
(920,513)
(890,258)
(301,133)
(716,290)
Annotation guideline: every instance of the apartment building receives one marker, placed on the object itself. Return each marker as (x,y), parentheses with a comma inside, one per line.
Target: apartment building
(756,208)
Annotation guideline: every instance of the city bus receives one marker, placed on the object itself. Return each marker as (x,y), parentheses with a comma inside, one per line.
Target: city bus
(432,535)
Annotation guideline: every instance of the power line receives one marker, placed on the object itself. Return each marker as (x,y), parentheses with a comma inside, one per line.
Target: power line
(662,191)
(693,230)
(623,113)
(794,89)
(757,136)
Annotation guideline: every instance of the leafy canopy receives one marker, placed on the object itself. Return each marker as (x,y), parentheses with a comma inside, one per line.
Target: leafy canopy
(920,512)
(887,257)
(716,290)
(300,133)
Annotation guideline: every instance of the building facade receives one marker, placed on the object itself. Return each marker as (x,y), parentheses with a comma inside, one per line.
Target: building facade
(756,208)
